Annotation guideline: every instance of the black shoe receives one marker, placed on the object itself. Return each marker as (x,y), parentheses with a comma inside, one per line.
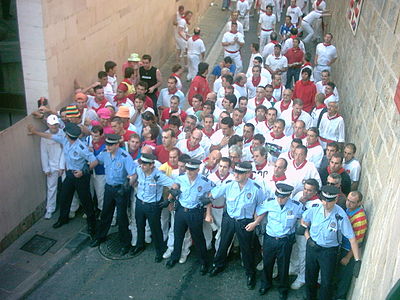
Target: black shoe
(263,291)
(203,269)
(158,258)
(171,263)
(59,223)
(137,251)
(215,270)
(95,243)
(283,296)
(251,282)
(124,250)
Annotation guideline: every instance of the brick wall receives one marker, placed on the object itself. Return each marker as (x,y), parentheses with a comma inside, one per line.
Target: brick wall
(367,73)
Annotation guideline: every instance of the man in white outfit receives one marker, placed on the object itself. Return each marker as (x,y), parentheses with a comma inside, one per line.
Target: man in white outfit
(232,41)
(195,53)
(266,26)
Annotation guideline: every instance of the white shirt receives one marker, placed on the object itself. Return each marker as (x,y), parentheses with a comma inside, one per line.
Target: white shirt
(243,8)
(276,146)
(289,44)
(308,204)
(195,47)
(264,73)
(229,37)
(275,63)
(267,22)
(295,13)
(182,24)
(109,93)
(112,80)
(221,95)
(262,128)
(268,50)
(325,54)
(251,89)
(353,168)
(277,92)
(277,106)
(321,89)
(315,116)
(289,123)
(298,174)
(194,154)
(92,104)
(248,115)
(238,129)
(252,103)
(239,26)
(51,154)
(332,129)
(165,97)
(241,90)
(315,155)
(322,6)
(216,138)
(312,17)
(249,69)
(217,84)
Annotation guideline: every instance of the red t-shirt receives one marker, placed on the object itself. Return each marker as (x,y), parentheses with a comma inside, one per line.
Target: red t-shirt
(165,116)
(294,55)
(199,85)
(306,91)
(161,153)
(127,134)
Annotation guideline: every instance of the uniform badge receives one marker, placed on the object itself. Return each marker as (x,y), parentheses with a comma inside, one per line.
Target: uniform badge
(248,195)
(119,164)
(290,212)
(199,188)
(75,153)
(333,226)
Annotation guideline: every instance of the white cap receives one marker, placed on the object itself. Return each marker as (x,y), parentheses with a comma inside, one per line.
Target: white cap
(52,120)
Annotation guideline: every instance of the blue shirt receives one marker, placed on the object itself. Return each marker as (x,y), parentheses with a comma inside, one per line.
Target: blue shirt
(286,29)
(281,221)
(240,203)
(217,70)
(77,154)
(150,187)
(118,167)
(192,191)
(327,231)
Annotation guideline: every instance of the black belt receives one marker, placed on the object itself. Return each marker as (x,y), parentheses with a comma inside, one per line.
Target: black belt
(114,186)
(280,237)
(185,209)
(146,203)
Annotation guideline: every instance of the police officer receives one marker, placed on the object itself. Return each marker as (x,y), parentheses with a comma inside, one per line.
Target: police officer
(243,196)
(149,203)
(282,215)
(77,156)
(325,225)
(118,165)
(190,212)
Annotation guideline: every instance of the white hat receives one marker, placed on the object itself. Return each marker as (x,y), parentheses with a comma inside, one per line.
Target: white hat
(52,120)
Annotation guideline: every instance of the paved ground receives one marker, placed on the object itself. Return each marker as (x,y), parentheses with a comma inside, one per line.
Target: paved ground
(72,270)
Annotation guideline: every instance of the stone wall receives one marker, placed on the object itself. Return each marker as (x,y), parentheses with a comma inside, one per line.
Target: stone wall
(367,73)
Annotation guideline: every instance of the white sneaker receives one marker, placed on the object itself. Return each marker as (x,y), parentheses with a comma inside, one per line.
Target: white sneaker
(167,254)
(48,215)
(71,214)
(260,266)
(297,284)
(147,240)
(84,216)
(114,221)
(183,258)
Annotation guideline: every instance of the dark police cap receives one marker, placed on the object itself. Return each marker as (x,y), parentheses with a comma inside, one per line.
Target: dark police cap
(283,190)
(147,158)
(193,164)
(112,139)
(329,193)
(243,167)
(72,130)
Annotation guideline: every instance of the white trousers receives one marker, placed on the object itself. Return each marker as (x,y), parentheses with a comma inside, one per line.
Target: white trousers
(193,65)
(298,258)
(208,229)
(97,184)
(264,38)
(307,28)
(245,21)
(52,181)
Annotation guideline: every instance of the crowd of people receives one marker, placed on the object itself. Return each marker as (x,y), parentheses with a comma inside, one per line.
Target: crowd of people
(254,158)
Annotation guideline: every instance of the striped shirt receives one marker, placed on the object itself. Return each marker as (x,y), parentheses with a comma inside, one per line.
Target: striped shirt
(358,221)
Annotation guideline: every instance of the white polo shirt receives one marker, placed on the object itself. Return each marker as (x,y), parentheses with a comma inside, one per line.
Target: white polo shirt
(267,22)
(228,38)
(353,168)
(325,54)
(275,63)
(195,47)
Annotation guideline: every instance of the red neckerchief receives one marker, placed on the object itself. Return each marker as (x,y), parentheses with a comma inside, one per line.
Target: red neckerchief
(280,178)
(275,137)
(302,137)
(190,148)
(306,64)
(176,75)
(134,154)
(301,165)
(241,85)
(290,155)
(97,145)
(221,178)
(333,117)
(120,101)
(315,197)
(320,106)
(328,95)
(293,6)
(269,127)
(208,134)
(251,149)
(277,87)
(341,170)
(173,167)
(294,119)
(258,103)
(293,36)
(233,32)
(268,13)
(209,167)
(285,106)
(260,167)
(102,104)
(173,91)
(314,145)
(326,45)
(248,141)
(187,22)
(241,0)
(195,37)
(272,99)
(274,42)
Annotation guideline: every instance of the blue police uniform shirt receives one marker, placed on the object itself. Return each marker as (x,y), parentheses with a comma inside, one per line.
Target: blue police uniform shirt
(76,153)
(192,191)
(324,230)
(240,203)
(281,221)
(118,167)
(150,187)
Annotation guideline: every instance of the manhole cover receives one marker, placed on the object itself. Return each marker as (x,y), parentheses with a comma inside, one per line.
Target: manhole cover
(112,247)
(38,244)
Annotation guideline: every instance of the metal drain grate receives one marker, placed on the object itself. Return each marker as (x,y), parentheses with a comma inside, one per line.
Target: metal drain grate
(38,244)
(111,247)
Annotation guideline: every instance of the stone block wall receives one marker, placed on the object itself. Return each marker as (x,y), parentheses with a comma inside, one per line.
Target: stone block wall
(366,73)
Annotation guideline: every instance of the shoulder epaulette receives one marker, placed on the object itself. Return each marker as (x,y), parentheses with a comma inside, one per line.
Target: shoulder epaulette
(338,217)
(81,146)
(315,205)
(296,202)
(124,154)
(270,199)
(257,185)
(228,181)
(205,178)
